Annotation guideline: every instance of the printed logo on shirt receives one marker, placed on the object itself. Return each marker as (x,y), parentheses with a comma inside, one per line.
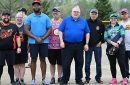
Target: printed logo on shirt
(5,33)
(97,28)
(127,27)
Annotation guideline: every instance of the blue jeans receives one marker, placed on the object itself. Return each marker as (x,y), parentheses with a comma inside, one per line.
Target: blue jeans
(88,57)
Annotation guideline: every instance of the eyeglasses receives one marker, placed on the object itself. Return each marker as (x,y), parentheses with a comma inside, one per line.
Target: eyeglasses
(124,13)
(76,12)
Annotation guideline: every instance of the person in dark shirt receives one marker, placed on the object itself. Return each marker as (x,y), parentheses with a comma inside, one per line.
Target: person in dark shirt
(114,35)
(9,36)
(21,58)
(95,42)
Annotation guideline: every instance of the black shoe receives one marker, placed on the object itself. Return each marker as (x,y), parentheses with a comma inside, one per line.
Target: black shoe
(87,81)
(14,83)
(52,81)
(63,82)
(59,79)
(99,81)
(80,82)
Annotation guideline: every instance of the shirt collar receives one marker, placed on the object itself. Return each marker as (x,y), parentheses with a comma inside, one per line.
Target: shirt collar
(77,19)
(37,15)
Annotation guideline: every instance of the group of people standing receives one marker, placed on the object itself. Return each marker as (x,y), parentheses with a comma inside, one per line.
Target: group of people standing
(61,41)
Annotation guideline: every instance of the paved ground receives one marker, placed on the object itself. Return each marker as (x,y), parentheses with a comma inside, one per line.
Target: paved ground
(106,75)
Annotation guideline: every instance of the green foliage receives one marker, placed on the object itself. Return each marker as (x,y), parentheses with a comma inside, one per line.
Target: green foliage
(104,7)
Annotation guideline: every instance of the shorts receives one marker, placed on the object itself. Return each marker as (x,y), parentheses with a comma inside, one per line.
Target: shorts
(41,49)
(54,56)
(8,56)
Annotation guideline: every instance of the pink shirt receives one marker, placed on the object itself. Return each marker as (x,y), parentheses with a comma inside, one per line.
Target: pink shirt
(54,41)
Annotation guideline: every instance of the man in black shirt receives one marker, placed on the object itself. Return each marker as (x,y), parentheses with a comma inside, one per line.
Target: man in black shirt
(9,36)
(96,39)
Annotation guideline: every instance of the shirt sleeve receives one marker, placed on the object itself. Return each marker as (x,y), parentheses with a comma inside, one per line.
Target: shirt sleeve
(27,21)
(16,31)
(48,22)
(87,30)
(122,31)
(62,25)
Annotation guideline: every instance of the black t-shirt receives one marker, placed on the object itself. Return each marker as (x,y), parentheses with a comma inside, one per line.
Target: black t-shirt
(24,39)
(8,36)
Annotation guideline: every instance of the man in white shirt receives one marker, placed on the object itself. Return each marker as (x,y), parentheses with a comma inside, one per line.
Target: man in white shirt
(126,24)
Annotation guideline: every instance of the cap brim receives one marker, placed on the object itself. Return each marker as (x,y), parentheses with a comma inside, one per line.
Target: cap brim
(55,10)
(94,12)
(36,3)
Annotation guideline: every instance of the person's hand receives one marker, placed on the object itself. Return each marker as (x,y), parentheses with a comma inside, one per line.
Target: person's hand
(115,44)
(38,40)
(18,50)
(99,44)
(62,44)
(86,47)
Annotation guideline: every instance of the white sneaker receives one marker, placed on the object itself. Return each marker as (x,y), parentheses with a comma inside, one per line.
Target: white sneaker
(32,82)
(45,82)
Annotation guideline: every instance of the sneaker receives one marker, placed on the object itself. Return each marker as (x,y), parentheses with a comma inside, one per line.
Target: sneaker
(52,81)
(124,81)
(17,81)
(32,82)
(21,82)
(45,82)
(113,81)
(59,79)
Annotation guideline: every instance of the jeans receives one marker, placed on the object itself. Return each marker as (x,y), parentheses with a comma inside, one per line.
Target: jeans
(88,57)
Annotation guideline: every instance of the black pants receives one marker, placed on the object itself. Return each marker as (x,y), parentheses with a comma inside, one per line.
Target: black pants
(120,56)
(72,50)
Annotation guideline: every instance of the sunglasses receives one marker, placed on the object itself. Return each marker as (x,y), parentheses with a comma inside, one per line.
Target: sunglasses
(113,18)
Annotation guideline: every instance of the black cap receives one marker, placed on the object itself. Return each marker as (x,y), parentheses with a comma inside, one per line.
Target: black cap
(6,13)
(23,10)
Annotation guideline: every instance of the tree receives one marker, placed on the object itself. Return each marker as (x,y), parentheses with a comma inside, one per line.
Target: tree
(104,7)
(10,5)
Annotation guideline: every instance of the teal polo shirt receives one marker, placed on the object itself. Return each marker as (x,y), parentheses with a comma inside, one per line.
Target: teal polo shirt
(74,30)
(39,25)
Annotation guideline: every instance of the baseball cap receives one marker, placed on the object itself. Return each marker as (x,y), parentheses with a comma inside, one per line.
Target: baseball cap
(114,15)
(6,13)
(94,11)
(56,9)
(36,1)
(124,10)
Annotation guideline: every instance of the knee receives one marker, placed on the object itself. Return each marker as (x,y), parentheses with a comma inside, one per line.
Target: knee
(42,59)
(33,60)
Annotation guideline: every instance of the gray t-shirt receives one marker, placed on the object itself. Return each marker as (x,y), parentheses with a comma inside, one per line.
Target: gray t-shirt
(126,26)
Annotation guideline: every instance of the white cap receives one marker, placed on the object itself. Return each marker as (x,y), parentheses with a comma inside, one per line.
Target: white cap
(76,8)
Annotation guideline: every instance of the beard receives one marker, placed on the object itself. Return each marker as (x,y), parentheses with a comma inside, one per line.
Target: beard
(37,10)
(6,20)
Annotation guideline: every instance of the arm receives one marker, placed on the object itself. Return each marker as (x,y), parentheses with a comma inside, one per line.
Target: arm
(27,32)
(62,45)
(18,44)
(47,33)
